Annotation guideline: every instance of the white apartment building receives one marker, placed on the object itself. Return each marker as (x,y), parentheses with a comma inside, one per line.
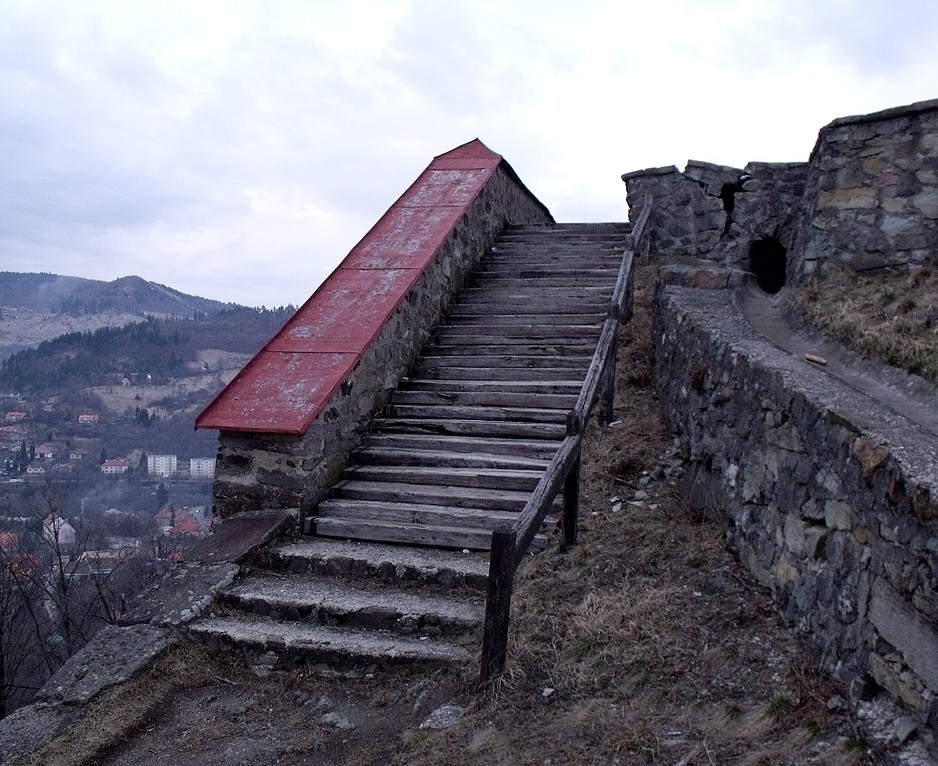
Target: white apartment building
(161,465)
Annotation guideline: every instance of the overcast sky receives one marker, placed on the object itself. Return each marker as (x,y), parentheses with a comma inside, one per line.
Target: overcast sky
(238,150)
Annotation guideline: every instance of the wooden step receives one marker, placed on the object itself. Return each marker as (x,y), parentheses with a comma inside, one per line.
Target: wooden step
(445,427)
(430,494)
(446,458)
(504,361)
(523,480)
(506,386)
(439,537)
(476,412)
(535,449)
(454,372)
(490,398)
(555,333)
(415,514)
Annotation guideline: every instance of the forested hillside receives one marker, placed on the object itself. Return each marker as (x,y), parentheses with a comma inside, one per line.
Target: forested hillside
(153,351)
(53,293)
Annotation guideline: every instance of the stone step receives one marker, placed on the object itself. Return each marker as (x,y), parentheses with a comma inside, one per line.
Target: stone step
(295,642)
(361,560)
(326,601)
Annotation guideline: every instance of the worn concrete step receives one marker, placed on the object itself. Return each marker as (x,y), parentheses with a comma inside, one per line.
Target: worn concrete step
(360,560)
(326,601)
(524,480)
(295,642)
(453,427)
(430,494)
(417,514)
(459,538)
(538,449)
(445,458)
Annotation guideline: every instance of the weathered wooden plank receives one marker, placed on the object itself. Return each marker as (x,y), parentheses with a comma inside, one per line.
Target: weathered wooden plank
(477,412)
(415,513)
(555,333)
(431,494)
(502,565)
(470,428)
(491,398)
(438,537)
(447,458)
(594,375)
(521,314)
(478,386)
(451,476)
(441,372)
(544,496)
(538,449)
(506,361)
(530,349)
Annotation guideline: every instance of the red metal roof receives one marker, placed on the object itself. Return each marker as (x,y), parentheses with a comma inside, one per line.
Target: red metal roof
(284,387)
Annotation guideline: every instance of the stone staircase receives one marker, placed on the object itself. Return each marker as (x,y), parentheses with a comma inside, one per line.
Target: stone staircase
(393,566)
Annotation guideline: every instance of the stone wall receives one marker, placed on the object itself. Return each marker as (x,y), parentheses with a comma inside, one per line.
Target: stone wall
(872,193)
(257,471)
(717,212)
(830,497)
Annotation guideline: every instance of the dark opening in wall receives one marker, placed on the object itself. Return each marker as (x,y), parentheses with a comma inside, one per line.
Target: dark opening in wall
(728,196)
(768,260)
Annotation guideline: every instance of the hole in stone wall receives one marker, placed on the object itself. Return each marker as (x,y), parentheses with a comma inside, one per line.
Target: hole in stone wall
(728,197)
(768,261)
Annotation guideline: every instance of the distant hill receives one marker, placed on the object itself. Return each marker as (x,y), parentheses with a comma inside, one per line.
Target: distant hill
(55,294)
(154,350)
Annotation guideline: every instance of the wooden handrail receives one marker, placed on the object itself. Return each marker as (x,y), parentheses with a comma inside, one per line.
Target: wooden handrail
(640,228)
(510,544)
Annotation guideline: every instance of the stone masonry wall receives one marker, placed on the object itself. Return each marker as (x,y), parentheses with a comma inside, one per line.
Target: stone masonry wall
(832,500)
(872,193)
(257,471)
(715,211)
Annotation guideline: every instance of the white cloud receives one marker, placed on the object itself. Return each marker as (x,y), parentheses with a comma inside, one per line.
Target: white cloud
(239,151)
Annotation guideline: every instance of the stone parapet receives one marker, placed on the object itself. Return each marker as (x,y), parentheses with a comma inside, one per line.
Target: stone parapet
(871,200)
(831,497)
(717,212)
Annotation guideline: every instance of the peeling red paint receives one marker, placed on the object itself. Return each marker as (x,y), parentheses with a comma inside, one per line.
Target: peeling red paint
(284,387)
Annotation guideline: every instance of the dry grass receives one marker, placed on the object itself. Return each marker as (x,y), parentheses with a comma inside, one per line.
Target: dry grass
(122,710)
(654,644)
(892,318)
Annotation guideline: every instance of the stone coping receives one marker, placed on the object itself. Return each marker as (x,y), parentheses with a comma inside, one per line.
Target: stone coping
(292,378)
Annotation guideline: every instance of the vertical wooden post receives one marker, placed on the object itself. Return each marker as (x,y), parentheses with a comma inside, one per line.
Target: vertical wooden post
(571,503)
(609,387)
(498,604)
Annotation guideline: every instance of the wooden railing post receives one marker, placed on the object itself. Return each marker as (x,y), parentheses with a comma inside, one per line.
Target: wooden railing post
(498,604)
(571,503)
(609,387)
